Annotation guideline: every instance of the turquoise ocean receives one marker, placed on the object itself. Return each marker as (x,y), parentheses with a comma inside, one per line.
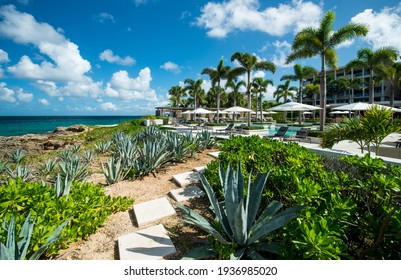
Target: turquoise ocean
(18,125)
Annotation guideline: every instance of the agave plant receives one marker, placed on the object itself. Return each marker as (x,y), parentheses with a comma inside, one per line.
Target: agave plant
(103,147)
(89,156)
(115,171)
(62,187)
(21,171)
(75,148)
(179,146)
(124,148)
(17,156)
(205,140)
(74,168)
(236,224)
(17,248)
(48,167)
(3,166)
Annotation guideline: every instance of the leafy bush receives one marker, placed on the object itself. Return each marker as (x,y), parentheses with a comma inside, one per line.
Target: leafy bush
(87,207)
(348,215)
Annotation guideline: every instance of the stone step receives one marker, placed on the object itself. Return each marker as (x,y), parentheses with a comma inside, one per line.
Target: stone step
(199,169)
(186,178)
(153,210)
(151,243)
(186,193)
(214,154)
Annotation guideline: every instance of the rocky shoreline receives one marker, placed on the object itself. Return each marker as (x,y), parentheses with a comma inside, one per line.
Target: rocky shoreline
(39,143)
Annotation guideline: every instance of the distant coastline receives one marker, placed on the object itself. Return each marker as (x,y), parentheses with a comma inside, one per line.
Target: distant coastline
(22,125)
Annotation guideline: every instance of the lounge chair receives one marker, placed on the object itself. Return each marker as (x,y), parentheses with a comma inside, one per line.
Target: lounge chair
(229,129)
(280,133)
(301,134)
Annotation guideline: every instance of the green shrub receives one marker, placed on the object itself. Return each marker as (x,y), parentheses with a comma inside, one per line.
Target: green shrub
(86,206)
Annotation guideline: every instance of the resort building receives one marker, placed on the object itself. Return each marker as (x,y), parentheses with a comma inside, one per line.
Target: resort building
(337,96)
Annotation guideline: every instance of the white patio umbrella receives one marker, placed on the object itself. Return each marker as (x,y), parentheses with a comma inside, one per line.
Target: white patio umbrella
(359,106)
(202,111)
(339,112)
(264,113)
(294,106)
(307,113)
(236,109)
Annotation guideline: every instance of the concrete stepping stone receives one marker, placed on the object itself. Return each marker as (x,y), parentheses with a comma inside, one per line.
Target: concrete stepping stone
(186,178)
(186,193)
(153,210)
(214,154)
(151,243)
(200,169)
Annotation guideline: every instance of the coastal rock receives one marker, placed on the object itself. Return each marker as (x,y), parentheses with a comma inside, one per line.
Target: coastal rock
(71,129)
(53,144)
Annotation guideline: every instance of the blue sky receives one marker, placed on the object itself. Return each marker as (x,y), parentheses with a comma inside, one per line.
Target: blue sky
(103,57)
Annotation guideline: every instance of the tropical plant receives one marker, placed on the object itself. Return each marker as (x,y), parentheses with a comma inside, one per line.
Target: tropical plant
(74,168)
(284,91)
(47,168)
(17,244)
(115,171)
(103,146)
(237,229)
(176,94)
(249,63)
(75,148)
(389,73)
(372,60)
(259,86)
(194,90)
(21,171)
(17,156)
(300,74)
(62,186)
(350,85)
(322,41)
(235,94)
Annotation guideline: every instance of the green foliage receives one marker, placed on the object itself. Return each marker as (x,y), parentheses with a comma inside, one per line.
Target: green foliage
(21,171)
(17,244)
(87,208)
(74,168)
(238,231)
(115,171)
(17,156)
(102,147)
(348,215)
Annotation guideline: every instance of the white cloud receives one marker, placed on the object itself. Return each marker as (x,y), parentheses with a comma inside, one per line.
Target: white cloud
(384,26)
(141,2)
(104,17)
(282,50)
(171,66)
(108,106)
(44,102)
(226,17)
(124,87)
(48,87)
(6,94)
(3,56)
(270,93)
(24,96)
(67,63)
(109,56)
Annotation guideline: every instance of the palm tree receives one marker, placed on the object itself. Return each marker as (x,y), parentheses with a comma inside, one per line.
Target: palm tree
(372,60)
(284,91)
(249,63)
(194,89)
(260,86)
(390,74)
(349,85)
(216,75)
(176,94)
(322,41)
(235,94)
(300,74)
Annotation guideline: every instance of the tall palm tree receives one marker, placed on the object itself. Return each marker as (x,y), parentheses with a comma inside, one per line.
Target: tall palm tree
(300,74)
(284,91)
(349,85)
(194,90)
(372,60)
(216,75)
(390,74)
(249,63)
(260,87)
(176,94)
(322,41)
(235,94)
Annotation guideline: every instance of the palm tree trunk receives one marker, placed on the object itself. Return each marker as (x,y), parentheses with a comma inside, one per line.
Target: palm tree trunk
(371,93)
(391,94)
(323,94)
(249,97)
(218,102)
(261,108)
(300,99)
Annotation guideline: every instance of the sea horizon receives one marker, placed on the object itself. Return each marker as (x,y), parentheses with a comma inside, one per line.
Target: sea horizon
(22,125)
